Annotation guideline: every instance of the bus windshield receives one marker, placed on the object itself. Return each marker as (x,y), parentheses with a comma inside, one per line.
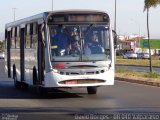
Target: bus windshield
(80,42)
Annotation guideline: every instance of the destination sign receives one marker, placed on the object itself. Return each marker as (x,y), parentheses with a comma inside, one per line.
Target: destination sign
(79,18)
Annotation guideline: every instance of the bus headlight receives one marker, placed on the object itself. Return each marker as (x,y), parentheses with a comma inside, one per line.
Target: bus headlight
(55,70)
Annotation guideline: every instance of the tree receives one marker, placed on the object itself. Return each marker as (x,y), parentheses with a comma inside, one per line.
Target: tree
(147,5)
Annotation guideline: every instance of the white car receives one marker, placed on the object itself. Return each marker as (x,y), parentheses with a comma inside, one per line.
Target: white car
(143,55)
(129,55)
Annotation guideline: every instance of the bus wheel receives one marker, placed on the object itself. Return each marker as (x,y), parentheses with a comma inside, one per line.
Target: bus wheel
(42,91)
(17,84)
(24,86)
(34,76)
(92,90)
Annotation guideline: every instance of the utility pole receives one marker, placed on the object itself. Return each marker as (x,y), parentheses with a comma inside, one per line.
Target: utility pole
(115,17)
(14,14)
(52,5)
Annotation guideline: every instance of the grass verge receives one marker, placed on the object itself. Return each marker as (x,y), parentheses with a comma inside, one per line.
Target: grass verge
(136,75)
(138,62)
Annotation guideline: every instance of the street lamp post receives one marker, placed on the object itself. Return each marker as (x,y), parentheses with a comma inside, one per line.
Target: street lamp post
(138,25)
(52,5)
(14,14)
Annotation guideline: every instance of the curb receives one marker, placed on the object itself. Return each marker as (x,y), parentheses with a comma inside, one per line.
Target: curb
(138,81)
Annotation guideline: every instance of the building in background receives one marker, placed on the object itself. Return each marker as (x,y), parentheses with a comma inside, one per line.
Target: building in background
(138,44)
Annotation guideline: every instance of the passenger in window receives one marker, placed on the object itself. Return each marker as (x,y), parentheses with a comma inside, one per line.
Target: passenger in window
(74,47)
(74,36)
(59,41)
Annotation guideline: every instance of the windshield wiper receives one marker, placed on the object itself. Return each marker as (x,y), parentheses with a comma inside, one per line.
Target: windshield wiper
(88,29)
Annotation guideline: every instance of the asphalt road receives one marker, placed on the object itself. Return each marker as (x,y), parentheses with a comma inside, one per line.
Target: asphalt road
(137,68)
(118,101)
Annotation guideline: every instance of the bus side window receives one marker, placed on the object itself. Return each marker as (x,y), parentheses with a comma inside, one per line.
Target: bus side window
(13,44)
(28,39)
(34,35)
(31,34)
(17,37)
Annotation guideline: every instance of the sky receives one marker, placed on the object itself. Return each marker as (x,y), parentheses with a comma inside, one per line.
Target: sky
(131,19)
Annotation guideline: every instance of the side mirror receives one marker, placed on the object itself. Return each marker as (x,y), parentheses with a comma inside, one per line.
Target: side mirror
(114,38)
(43,33)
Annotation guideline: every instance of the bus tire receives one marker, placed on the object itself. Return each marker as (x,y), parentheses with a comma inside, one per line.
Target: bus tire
(92,90)
(34,75)
(17,84)
(42,92)
(24,86)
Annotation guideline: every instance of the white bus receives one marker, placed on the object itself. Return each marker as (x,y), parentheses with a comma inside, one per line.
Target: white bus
(56,50)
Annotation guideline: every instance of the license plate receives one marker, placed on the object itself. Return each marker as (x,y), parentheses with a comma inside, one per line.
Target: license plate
(71,82)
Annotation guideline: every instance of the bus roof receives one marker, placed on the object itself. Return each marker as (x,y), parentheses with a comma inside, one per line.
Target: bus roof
(26,20)
(77,11)
(43,16)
